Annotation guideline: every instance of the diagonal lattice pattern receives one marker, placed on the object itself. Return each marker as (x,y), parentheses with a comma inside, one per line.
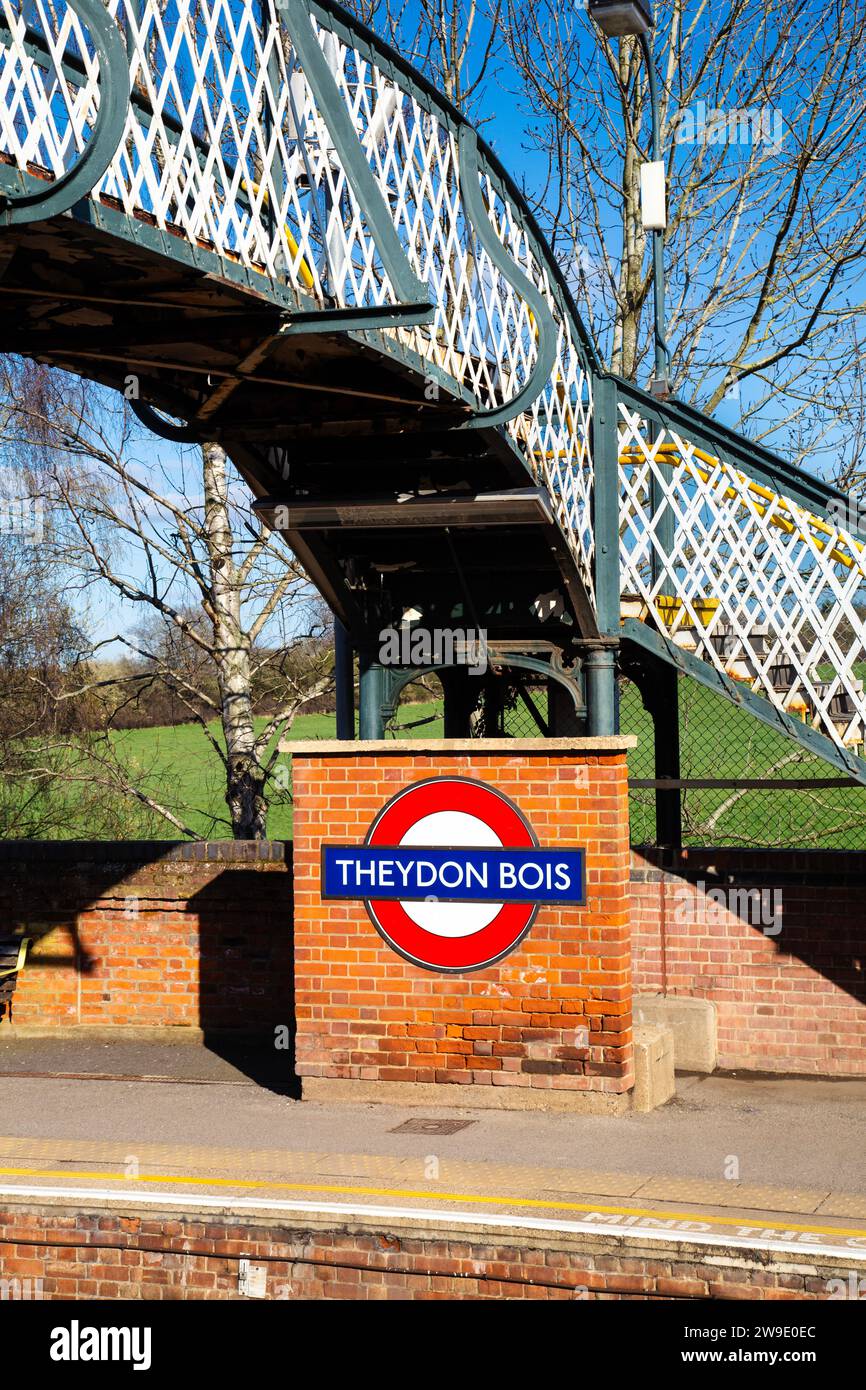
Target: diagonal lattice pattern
(224,146)
(483,335)
(46,116)
(745,578)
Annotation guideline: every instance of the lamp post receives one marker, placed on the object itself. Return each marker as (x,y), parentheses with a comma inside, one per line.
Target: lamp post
(619,19)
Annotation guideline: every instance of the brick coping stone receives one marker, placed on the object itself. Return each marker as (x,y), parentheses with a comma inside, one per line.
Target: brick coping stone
(481,747)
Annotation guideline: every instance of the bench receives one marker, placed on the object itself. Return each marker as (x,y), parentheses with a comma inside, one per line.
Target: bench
(13,954)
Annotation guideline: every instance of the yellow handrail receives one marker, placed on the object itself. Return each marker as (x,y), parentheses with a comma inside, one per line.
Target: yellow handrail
(305,272)
(19,964)
(786,524)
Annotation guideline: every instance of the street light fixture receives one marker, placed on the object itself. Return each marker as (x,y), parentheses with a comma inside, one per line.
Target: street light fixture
(617,18)
(633,18)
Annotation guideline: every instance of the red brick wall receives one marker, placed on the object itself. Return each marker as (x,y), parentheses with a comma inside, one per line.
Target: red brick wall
(791,1002)
(151,934)
(554,1014)
(86,1255)
(195,935)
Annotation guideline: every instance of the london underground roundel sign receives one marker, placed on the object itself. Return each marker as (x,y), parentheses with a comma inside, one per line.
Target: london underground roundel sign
(452,874)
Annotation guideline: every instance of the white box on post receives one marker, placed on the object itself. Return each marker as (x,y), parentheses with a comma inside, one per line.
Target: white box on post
(653,199)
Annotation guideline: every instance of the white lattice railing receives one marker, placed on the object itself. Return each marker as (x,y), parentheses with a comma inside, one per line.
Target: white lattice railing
(483,334)
(745,578)
(224,147)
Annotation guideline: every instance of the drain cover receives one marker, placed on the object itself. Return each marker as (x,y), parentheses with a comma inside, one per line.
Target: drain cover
(431,1126)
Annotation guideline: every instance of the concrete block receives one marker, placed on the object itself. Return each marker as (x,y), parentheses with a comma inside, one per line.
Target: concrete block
(654,1082)
(692,1022)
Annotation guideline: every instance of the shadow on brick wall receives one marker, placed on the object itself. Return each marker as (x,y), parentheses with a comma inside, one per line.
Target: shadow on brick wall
(808,906)
(246,972)
(159,934)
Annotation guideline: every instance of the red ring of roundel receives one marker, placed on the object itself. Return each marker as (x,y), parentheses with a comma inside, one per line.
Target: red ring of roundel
(513,920)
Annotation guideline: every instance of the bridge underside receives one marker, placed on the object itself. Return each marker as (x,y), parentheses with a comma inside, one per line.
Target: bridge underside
(388,502)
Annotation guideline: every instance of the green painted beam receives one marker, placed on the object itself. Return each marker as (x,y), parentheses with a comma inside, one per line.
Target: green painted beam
(412,293)
(739,694)
(605,504)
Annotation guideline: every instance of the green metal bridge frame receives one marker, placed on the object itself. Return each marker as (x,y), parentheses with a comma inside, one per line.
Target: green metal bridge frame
(615,494)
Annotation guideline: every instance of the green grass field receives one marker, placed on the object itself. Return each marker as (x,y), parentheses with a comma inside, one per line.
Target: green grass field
(717,740)
(177,766)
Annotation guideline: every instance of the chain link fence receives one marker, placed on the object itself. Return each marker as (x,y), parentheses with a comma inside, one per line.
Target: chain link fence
(518,708)
(720,742)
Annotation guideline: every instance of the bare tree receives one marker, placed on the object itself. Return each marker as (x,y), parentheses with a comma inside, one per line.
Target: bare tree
(176,538)
(45,739)
(762,121)
(456,43)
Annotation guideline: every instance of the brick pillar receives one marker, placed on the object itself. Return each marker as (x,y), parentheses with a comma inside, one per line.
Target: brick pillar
(549,1024)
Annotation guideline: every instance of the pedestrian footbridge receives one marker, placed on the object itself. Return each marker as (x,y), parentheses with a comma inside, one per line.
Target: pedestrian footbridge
(294,245)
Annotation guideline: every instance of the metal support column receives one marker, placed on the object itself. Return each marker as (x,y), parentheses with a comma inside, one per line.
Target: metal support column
(662,379)
(494,705)
(344,678)
(461,693)
(599,657)
(562,717)
(601,701)
(373,691)
(605,504)
(658,683)
(665,710)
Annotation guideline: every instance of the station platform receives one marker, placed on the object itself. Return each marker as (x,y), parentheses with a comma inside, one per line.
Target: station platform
(638,1206)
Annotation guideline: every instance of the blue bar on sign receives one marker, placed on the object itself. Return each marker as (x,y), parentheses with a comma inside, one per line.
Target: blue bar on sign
(454,875)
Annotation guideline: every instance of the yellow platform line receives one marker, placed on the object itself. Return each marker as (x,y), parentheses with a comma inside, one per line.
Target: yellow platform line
(465,1197)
